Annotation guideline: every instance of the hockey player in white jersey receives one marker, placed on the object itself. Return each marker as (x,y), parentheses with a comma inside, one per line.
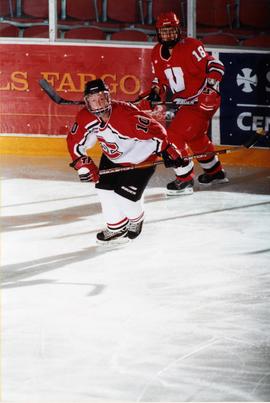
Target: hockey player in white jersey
(127,136)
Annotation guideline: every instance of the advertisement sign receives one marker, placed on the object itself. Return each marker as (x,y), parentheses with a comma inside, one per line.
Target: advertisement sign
(26,109)
(245,93)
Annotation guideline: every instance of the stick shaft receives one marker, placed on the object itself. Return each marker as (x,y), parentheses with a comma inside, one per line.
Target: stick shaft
(158,162)
(49,90)
(55,97)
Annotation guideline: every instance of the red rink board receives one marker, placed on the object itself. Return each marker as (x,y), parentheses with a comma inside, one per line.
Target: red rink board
(25,109)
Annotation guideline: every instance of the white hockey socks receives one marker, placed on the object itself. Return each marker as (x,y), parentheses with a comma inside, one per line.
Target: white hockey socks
(118,211)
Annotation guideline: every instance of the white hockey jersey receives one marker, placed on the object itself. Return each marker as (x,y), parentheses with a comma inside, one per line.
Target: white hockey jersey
(129,137)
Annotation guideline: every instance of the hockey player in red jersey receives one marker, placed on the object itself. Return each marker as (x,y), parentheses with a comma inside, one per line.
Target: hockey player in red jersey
(127,136)
(183,67)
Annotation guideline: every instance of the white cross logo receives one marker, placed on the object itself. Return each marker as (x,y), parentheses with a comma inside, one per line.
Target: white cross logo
(246,80)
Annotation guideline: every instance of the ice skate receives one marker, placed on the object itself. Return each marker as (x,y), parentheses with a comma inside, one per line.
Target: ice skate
(134,229)
(217,178)
(179,188)
(108,237)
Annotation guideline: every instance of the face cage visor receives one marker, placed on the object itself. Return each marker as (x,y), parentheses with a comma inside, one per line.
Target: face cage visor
(94,105)
(168,36)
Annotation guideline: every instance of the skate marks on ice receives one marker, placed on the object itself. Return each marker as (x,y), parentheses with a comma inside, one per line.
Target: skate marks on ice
(180,314)
(22,273)
(77,219)
(229,376)
(70,214)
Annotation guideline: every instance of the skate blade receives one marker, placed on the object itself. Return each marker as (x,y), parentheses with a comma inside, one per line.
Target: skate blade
(186,191)
(114,243)
(215,182)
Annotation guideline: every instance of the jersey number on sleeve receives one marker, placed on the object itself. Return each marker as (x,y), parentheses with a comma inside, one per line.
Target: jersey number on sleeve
(199,53)
(143,124)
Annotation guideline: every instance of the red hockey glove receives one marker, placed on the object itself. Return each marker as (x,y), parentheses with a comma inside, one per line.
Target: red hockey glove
(87,169)
(172,157)
(209,100)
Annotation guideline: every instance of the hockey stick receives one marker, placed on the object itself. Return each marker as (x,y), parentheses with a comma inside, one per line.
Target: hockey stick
(248,144)
(61,101)
(176,103)
(55,97)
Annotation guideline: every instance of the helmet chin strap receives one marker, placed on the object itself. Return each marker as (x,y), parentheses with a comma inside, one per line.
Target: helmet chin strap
(103,115)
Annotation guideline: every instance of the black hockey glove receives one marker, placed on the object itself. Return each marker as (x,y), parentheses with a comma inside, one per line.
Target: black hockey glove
(172,157)
(153,96)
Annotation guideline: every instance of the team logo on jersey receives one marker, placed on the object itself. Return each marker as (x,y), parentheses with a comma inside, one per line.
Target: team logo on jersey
(109,149)
(246,81)
(175,76)
(74,128)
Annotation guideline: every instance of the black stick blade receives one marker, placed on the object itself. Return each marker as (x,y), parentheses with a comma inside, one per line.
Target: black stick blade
(56,97)
(50,91)
(254,138)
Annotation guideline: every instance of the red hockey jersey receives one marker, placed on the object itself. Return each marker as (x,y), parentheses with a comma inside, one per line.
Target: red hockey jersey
(186,71)
(130,135)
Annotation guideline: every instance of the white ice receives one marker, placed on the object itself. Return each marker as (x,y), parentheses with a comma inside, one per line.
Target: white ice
(180,314)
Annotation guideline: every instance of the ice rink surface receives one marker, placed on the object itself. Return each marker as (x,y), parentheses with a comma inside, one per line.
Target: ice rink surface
(180,314)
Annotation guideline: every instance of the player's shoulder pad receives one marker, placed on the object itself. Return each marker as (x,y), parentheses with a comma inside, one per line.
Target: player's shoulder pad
(84,114)
(156,48)
(128,107)
(192,42)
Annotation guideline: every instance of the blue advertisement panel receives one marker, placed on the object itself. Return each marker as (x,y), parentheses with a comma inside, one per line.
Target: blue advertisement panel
(245,93)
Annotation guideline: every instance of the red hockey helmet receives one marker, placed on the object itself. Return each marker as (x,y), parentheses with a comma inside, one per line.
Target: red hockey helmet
(167,19)
(168,29)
